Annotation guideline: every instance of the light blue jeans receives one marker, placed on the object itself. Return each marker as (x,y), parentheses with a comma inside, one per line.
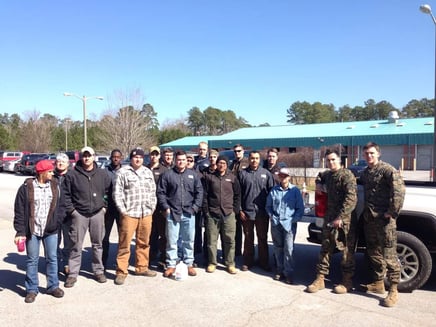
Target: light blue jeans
(283,247)
(33,244)
(185,229)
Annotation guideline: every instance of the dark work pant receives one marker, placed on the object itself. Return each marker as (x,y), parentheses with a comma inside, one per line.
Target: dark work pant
(261,223)
(198,239)
(110,217)
(158,239)
(238,236)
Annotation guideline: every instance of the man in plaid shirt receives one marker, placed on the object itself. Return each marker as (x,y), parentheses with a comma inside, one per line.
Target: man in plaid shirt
(135,197)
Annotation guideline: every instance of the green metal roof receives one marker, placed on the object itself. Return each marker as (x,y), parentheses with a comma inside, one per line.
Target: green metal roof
(188,143)
(402,132)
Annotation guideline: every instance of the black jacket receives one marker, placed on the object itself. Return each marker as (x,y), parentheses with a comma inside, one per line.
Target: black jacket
(181,192)
(222,194)
(24,211)
(86,191)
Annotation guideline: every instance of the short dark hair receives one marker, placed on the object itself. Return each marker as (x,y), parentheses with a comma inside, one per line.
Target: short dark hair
(180,153)
(168,149)
(238,146)
(116,151)
(254,152)
(330,151)
(371,145)
(273,150)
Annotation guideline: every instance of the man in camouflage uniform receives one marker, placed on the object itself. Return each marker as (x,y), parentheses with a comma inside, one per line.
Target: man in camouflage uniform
(338,230)
(384,196)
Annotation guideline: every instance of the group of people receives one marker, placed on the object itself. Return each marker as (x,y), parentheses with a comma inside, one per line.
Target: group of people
(166,204)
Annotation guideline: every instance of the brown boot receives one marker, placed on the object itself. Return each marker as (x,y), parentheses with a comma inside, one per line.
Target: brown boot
(375,287)
(346,286)
(392,297)
(318,284)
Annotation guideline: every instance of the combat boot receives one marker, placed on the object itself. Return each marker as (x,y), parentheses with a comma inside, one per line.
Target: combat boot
(346,286)
(375,287)
(318,284)
(392,297)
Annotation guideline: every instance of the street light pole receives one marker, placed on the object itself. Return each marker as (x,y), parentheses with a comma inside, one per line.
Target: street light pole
(426,9)
(84,99)
(66,134)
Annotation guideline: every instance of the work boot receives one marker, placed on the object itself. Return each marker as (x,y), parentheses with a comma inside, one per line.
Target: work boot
(346,285)
(392,297)
(318,284)
(375,287)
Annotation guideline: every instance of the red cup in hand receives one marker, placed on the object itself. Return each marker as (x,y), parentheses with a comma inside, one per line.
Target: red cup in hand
(21,245)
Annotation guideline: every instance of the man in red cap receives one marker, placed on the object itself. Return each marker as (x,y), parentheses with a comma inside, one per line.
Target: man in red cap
(37,217)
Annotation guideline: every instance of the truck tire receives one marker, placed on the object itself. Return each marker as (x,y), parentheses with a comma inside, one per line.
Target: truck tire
(415,261)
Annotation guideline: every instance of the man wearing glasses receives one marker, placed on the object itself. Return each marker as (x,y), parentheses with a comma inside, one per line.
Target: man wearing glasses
(201,165)
(190,161)
(238,164)
(158,240)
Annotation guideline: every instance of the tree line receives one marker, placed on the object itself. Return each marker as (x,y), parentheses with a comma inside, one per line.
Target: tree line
(307,113)
(128,122)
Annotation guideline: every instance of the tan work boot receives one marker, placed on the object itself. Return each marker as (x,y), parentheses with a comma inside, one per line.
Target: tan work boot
(318,284)
(392,297)
(346,285)
(375,287)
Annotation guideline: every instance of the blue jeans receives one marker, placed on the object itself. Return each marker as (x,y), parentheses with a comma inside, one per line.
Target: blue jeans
(185,229)
(50,244)
(283,247)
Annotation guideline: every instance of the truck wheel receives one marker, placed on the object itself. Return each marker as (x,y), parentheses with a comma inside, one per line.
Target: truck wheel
(415,261)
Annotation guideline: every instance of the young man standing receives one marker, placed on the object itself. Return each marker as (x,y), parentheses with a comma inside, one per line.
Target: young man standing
(338,230)
(180,195)
(112,215)
(135,197)
(270,164)
(221,200)
(239,163)
(86,188)
(384,196)
(158,239)
(256,183)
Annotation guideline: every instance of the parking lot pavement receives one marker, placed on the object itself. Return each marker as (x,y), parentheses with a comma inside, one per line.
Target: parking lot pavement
(219,299)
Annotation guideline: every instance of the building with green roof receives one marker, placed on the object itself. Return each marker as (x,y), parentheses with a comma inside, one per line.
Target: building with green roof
(405,143)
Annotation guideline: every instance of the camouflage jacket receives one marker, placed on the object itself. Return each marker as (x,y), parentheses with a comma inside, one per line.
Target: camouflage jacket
(341,192)
(384,190)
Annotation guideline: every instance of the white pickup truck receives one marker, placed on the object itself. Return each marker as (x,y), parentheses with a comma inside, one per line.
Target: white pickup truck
(416,227)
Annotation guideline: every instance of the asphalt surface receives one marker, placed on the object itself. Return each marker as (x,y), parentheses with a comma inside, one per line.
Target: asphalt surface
(219,299)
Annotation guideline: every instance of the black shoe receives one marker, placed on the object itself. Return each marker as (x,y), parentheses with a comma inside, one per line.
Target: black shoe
(279,277)
(30,297)
(70,282)
(57,292)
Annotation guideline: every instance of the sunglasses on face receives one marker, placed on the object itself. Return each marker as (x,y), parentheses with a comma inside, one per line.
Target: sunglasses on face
(190,160)
(237,150)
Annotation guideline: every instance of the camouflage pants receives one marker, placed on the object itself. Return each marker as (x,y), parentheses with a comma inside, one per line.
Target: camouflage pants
(331,237)
(381,247)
